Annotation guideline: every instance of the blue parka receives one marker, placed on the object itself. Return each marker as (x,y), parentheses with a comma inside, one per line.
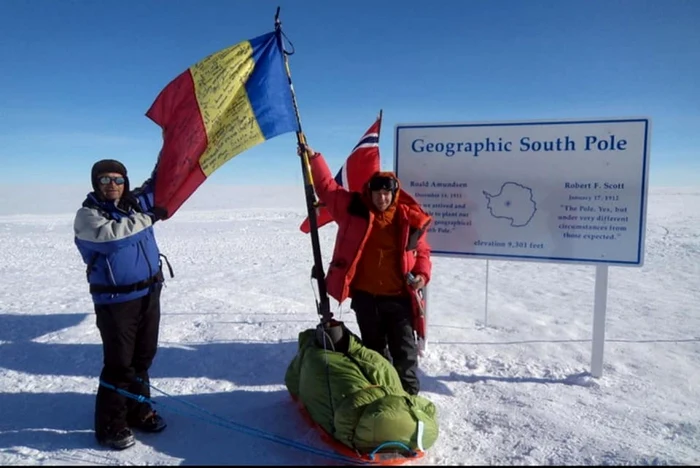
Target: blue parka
(118,246)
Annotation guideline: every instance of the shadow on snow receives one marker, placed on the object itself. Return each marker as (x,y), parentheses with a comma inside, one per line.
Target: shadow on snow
(61,424)
(242,363)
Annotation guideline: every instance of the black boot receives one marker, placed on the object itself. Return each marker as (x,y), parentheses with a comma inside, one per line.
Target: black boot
(118,440)
(153,422)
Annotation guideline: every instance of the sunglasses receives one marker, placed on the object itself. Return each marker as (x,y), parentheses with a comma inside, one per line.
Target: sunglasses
(105,180)
(383,183)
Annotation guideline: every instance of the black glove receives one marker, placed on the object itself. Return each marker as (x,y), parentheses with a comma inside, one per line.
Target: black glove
(157,214)
(128,202)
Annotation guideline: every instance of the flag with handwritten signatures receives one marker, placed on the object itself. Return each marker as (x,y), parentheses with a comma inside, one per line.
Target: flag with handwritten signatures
(218,108)
(358,168)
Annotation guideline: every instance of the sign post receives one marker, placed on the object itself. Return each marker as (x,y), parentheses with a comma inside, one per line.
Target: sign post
(558,191)
(486,297)
(599,306)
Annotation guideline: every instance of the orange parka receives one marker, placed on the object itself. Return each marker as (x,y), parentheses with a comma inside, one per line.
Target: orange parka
(354,219)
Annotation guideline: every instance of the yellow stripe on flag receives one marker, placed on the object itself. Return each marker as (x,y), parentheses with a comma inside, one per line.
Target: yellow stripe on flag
(228,116)
(218,108)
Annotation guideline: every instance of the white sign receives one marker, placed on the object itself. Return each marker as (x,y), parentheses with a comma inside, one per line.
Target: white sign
(565,191)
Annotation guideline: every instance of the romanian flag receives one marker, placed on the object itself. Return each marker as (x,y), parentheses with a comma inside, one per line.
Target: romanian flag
(218,108)
(362,163)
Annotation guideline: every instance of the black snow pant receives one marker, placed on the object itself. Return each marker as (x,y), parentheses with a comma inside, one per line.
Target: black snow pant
(385,324)
(129,333)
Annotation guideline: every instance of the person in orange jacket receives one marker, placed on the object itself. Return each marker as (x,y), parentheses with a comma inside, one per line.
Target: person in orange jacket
(381,239)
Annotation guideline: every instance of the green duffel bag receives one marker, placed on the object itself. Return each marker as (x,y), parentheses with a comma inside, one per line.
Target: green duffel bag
(357,398)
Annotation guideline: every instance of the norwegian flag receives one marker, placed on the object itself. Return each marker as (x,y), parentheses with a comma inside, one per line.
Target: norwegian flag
(358,168)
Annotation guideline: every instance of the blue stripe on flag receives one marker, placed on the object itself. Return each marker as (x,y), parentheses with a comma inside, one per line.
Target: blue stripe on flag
(339,177)
(268,88)
(370,139)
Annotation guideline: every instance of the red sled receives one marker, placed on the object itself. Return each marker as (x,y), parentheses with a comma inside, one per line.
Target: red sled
(383,456)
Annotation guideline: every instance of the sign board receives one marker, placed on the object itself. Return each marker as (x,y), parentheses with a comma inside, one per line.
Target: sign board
(563,191)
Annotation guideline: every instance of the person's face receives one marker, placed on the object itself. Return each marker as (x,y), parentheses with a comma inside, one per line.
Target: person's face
(111,185)
(381,199)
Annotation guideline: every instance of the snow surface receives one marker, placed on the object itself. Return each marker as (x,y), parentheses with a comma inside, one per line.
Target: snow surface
(515,391)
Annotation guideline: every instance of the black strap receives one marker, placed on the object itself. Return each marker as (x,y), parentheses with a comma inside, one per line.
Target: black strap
(170,268)
(126,288)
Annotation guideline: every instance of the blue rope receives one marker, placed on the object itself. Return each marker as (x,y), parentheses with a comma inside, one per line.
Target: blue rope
(229,424)
(385,444)
(339,457)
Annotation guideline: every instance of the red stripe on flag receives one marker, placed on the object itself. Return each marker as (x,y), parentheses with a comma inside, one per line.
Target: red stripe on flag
(323,217)
(177,112)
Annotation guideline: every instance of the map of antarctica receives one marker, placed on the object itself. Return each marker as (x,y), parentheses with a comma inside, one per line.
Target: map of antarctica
(513,202)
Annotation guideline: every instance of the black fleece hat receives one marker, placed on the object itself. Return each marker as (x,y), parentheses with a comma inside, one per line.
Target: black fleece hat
(108,165)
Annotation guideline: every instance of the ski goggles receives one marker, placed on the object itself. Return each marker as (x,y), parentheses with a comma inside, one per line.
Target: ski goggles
(105,180)
(383,183)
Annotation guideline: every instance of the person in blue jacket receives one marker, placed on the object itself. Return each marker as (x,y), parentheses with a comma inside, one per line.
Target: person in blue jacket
(114,235)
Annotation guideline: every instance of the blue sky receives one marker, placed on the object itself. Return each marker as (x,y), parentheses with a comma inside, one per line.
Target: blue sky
(78,76)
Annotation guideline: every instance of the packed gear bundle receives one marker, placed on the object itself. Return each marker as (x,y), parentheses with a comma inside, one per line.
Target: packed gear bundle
(353,395)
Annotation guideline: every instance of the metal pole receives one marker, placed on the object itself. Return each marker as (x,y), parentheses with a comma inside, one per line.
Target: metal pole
(486,297)
(323,308)
(425,313)
(599,309)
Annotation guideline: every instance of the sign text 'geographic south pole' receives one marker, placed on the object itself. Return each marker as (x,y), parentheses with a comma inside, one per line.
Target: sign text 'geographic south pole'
(565,191)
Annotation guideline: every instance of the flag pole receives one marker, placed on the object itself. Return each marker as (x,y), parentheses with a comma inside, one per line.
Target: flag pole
(323,308)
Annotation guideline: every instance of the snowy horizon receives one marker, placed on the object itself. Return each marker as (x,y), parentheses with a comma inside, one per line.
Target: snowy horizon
(19,199)
(515,391)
